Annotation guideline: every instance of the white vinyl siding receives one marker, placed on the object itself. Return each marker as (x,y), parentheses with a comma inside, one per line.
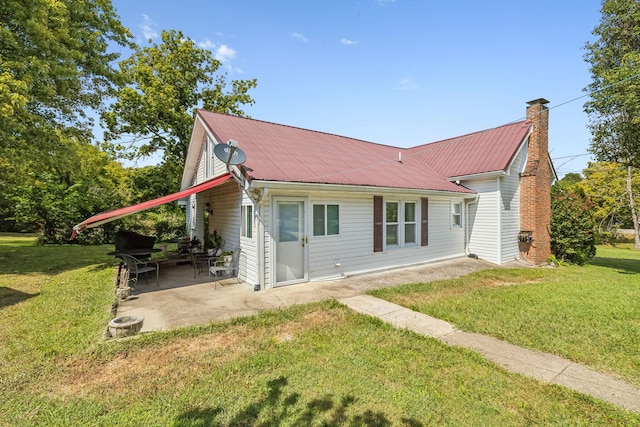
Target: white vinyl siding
(510,217)
(483,223)
(494,222)
(351,252)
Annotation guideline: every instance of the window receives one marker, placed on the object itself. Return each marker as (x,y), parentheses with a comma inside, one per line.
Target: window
(409,223)
(392,223)
(456,214)
(401,224)
(392,220)
(326,220)
(246,227)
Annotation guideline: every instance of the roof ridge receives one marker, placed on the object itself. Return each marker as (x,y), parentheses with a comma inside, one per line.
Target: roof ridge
(467,135)
(303,129)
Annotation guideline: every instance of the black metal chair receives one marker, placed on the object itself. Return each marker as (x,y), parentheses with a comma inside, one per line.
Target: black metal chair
(201,261)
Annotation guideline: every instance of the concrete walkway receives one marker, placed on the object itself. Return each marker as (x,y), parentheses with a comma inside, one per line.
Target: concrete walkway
(201,301)
(541,366)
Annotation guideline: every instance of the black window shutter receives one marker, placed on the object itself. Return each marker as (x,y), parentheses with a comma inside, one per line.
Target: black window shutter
(377,224)
(424,222)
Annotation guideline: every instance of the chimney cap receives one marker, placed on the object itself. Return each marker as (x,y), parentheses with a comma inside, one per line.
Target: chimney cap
(538,101)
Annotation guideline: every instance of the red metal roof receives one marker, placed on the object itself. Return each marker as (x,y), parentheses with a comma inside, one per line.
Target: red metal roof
(285,153)
(491,150)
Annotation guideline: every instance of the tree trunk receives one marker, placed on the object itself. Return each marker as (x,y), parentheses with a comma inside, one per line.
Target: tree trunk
(634,215)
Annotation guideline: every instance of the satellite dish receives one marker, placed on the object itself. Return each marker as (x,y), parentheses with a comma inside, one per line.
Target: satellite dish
(230,154)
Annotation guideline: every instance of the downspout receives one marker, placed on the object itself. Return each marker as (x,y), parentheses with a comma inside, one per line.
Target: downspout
(467,231)
(259,201)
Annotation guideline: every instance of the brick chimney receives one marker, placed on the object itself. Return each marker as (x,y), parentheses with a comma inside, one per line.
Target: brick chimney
(535,188)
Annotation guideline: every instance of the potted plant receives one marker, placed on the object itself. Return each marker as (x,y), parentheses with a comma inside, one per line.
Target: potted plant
(195,244)
(226,258)
(215,241)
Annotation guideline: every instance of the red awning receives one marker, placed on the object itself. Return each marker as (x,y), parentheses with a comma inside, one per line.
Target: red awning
(105,217)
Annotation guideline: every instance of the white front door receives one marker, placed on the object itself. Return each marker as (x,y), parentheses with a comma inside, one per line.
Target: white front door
(291,242)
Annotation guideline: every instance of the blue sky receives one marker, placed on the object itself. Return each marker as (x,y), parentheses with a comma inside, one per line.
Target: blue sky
(397,72)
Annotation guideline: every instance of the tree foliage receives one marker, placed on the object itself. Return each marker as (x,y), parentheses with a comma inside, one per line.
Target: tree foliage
(54,64)
(614,107)
(52,201)
(605,184)
(572,224)
(165,83)
(54,67)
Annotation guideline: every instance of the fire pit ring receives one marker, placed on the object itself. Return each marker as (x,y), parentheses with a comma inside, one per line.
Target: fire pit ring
(125,326)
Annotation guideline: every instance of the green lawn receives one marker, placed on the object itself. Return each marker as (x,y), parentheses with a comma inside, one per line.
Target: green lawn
(317,364)
(589,314)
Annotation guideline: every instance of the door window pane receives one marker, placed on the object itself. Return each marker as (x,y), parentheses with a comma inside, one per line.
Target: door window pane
(288,230)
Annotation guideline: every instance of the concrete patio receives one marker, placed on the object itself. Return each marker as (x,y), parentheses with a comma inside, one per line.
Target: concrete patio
(181,300)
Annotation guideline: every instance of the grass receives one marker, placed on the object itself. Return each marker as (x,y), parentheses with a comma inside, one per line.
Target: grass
(317,364)
(587,314)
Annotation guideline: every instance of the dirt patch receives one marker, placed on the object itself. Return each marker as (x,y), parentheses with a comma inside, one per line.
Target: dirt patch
(501,283)
(135,371)
(180,361)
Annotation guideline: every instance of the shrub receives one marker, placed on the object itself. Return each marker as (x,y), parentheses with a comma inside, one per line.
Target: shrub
(573,227)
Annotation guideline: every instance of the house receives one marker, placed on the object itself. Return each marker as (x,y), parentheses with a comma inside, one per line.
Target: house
(309,205)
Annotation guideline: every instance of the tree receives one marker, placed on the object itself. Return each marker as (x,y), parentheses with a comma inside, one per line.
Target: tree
(614,107)
(572,223)
(54,64)
(572,178)
(165,82)
(606,185)
(52,201)
(54,67)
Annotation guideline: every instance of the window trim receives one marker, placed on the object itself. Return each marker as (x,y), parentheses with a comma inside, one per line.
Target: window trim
(246,219)
(458,215)
(414,223)
(396,223)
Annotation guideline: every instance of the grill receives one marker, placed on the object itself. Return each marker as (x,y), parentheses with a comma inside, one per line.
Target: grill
(132,241)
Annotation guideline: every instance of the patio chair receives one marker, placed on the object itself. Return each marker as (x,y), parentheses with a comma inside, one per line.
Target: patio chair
(136,267)
(202,260)
(219,267)
(183,246)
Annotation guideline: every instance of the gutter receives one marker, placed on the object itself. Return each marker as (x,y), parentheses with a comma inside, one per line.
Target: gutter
(491,174)
(359,188)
